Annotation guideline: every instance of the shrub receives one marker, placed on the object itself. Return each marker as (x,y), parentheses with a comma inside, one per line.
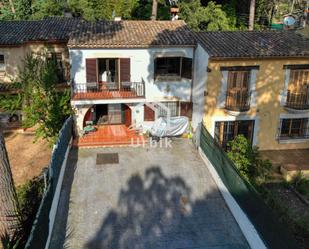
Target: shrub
(247,159)
(29,196)
(301,184)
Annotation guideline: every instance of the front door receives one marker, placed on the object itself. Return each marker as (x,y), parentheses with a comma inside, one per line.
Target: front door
(114,114)
(127,116)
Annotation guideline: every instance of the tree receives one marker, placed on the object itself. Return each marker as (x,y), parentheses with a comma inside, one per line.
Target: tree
(102,9)
(154,9)
(143,10)
(200,18)
(44,107)
(10,220)
(251,14)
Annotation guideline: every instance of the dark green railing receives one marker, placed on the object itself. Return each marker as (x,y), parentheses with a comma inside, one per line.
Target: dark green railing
(273,232)
(40,229)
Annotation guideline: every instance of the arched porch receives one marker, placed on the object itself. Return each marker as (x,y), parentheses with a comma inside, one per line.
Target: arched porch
(112,126)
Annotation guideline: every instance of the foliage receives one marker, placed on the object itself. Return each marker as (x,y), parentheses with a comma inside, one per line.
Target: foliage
(11,243)
(247,160)
(11,102)
(44,107)
(29,196)
(301,183)
(102,9)
(200,18)
(143,10)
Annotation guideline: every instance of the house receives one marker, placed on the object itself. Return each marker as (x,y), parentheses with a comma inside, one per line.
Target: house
(257,85)
(19,38)
(131,72)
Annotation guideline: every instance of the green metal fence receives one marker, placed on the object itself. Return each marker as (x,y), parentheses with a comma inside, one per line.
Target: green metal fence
(272,231)
(40,228)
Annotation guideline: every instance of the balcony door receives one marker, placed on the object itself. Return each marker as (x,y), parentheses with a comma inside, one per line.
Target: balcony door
(298,91)
(108,70)
(226,131)
(237,90)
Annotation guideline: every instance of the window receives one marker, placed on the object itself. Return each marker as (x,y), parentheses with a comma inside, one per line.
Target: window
(226,131)
(299,80)
(57,59)
(172,106)
(237,96)
(2,62)
(294,128)
(186,109)
(173,68)
(238,80)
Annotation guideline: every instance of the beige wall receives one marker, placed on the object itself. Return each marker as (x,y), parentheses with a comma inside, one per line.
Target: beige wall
(14,57)
(269,84)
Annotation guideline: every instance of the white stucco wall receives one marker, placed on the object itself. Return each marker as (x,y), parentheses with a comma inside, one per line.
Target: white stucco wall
(199,85)
(142,68)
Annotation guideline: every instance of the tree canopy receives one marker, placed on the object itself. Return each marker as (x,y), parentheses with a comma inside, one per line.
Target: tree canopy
(206,15)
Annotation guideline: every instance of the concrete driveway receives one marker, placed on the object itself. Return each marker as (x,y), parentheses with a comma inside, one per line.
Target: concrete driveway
(154,198)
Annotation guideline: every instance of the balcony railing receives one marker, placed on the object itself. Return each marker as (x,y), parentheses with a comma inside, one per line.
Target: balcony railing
(298,100)
(237,100)
(109,90)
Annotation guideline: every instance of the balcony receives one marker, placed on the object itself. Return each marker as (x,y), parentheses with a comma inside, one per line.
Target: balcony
(298,100)
(108,90)
(237,100)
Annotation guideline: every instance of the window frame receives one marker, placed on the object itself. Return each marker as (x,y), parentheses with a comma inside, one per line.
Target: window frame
(231,129)
(176,108)
(181,74)
(303,129)
(3,65)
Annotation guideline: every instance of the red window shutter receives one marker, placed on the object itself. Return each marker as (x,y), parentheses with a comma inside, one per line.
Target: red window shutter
(125,69)
(91,70)
(149,114)
(186,109)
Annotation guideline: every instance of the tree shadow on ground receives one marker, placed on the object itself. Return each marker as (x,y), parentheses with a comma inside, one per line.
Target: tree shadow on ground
(156,211)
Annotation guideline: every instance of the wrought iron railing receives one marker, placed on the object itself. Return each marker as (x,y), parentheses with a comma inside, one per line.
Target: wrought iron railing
(237,100)
(298,100)
(109,90)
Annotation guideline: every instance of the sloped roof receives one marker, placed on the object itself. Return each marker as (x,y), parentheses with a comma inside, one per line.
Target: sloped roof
(128,34)
(48,29)
(252,44)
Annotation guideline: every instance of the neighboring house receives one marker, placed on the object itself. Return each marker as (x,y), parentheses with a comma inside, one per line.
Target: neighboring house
(19,38)
(257,85)
(118,67)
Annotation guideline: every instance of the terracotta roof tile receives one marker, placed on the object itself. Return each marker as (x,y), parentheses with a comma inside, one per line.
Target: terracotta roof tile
(115,34)
(252,44)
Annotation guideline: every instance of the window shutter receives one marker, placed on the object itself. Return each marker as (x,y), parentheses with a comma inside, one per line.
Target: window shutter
(125,70)
(91,70)
(149,114)
(186,67)
(186,109)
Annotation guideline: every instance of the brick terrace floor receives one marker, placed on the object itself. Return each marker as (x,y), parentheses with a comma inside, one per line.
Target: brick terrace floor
(107,135)
(154,198)
(293,159)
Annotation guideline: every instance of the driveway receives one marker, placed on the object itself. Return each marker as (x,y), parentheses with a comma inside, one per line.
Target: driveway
(154,198)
